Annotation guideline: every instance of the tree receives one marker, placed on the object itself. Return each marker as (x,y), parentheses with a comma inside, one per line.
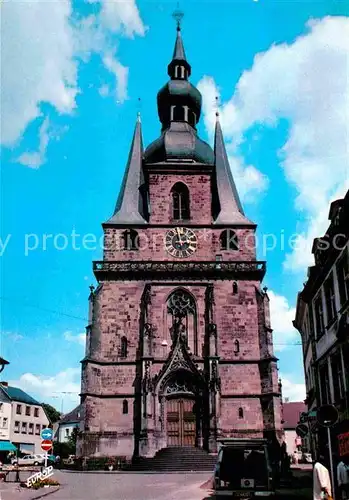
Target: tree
(73,438)
(52,414)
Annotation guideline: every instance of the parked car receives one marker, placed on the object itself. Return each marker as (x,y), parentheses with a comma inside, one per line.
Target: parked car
(29,460)
(243,469)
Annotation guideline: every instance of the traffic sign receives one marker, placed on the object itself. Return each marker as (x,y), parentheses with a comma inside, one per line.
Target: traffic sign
(302,430)
(47,433)
(327,415)
(46,445)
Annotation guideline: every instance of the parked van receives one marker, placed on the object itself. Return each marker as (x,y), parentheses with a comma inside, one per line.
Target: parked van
(243,469)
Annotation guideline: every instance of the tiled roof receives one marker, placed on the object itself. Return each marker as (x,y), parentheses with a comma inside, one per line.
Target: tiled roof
(291,414)
(73,416)
(16,394)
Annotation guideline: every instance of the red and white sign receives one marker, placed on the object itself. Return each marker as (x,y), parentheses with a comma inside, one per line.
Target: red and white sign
(46,445)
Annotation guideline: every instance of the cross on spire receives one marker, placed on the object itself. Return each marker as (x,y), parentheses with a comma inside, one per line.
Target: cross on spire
(178,15)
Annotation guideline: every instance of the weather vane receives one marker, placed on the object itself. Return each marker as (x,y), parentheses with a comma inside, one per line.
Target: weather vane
(217,105)
(178,16)
(139,107)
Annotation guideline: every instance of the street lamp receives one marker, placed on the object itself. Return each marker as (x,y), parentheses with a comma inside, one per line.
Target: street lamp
(3,363)
(63,393)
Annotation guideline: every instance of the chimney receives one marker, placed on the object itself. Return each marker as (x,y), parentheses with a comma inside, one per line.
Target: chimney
(5,384)
(286,400)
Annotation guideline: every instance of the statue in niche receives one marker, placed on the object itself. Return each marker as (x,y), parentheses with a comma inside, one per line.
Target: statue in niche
(178,330)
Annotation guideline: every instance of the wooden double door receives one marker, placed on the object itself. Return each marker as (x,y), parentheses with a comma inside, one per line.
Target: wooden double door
(181,422)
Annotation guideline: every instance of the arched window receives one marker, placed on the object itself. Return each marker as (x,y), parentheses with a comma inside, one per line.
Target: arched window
(241,413)
(124,347)
(229,240)
(182,318)
(236,347)
(178,114)
(180,202)
(130,239)
(125,407)
(235,288)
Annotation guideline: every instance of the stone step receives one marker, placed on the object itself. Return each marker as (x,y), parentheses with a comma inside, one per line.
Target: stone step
(176,459)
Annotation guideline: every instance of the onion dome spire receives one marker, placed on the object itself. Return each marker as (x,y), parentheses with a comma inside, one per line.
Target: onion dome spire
(179,108)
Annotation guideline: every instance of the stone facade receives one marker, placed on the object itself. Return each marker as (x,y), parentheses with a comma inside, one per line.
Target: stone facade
(177,354)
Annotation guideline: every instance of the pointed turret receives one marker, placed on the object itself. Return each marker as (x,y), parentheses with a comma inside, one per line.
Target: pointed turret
(179,52)
(179,68)
(230,210)
(130,206)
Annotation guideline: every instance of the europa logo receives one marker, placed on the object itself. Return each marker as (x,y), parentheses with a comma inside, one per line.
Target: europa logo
(40,476)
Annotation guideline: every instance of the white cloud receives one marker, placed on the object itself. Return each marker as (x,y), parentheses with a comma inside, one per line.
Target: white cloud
(281,317)
(42,43)
(80,338)
(305,83)
(37,51)
(249,180)
(44,387)
(294,391)
(104,91)
(38,158)
(121,76)
(122,16)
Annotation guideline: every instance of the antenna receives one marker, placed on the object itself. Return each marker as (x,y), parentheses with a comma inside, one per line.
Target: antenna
(178,15)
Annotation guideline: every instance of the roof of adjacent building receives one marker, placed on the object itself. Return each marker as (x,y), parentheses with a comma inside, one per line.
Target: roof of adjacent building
(71,417)
(16,394)
(292,413)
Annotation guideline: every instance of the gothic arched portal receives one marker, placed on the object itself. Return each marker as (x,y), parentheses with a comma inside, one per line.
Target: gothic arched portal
(181,400)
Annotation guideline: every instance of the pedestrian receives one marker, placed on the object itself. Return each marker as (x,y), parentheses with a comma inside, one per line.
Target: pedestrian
(322,482)
(343,477)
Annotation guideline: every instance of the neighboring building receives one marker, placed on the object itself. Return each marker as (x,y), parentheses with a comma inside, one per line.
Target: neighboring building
(179,347)
(28,418)
(5,416)
(67,424)
(322,317)
(291,416)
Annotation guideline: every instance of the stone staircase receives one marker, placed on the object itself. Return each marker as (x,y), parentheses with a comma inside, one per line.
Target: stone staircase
(176,459)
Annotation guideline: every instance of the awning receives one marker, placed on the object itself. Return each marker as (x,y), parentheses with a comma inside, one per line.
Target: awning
(7,446)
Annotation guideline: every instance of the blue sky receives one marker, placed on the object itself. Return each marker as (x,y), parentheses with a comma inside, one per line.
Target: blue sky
(70,99)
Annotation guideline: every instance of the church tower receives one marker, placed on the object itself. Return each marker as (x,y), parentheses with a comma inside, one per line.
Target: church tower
(179,344)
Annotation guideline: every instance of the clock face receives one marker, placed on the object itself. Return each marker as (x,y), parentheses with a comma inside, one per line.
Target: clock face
(181,242)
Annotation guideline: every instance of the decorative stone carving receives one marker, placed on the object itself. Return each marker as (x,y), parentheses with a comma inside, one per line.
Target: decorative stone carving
(212,328)
(147,331)
(210,295)
(167,270)
(215,382)
(182,387)
(146,298)
(181,304)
